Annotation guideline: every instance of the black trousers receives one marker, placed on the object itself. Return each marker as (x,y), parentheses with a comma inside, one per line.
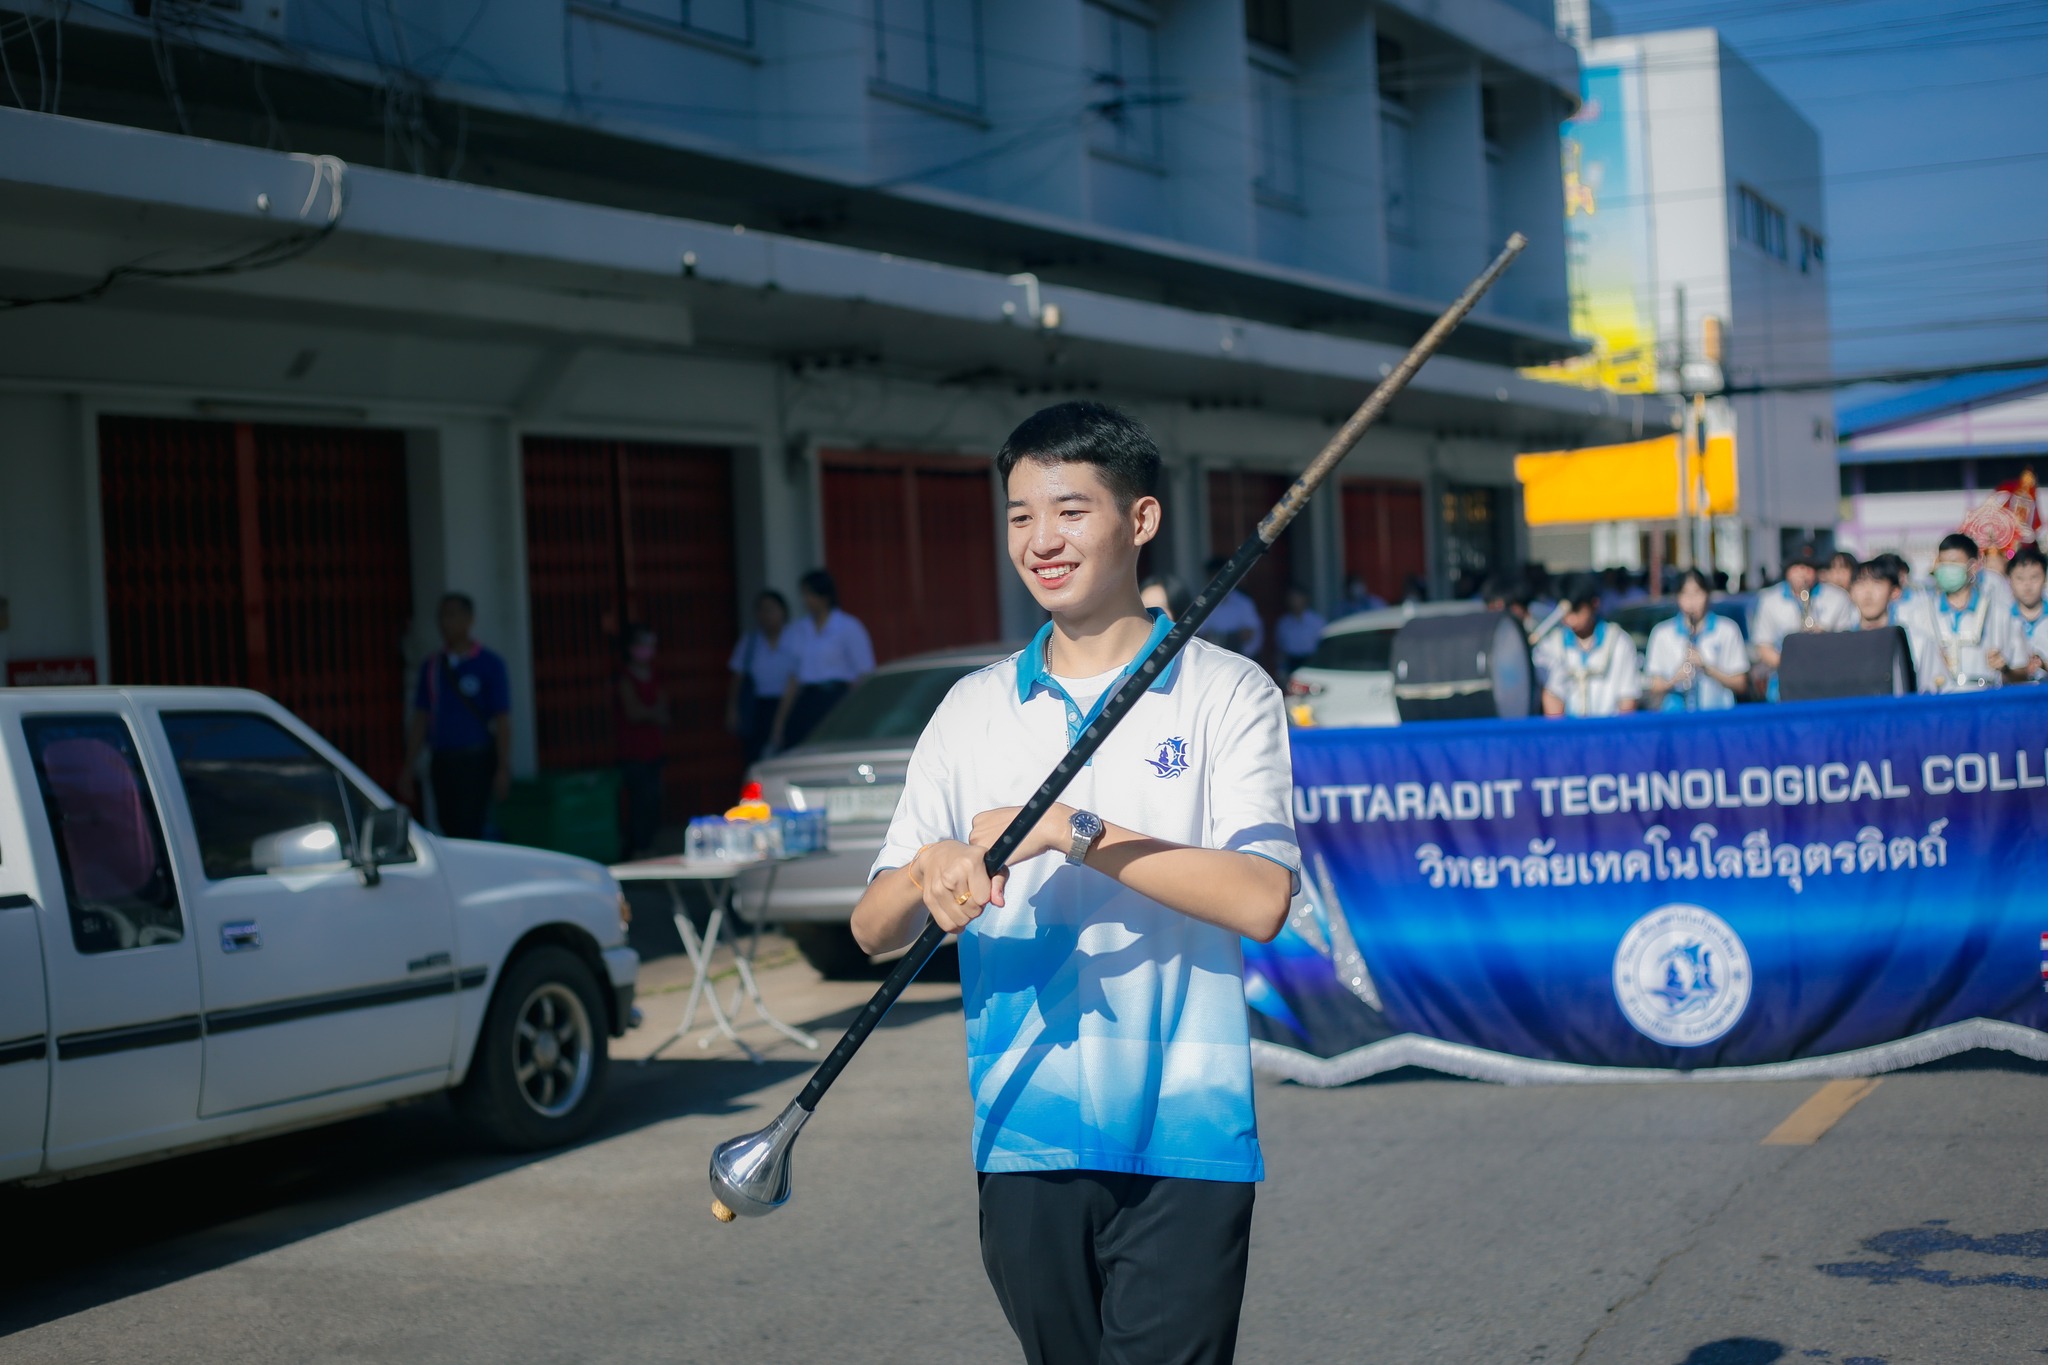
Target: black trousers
(462,789)
(757,724)
(813,700)
(1101,1268)
(641,777)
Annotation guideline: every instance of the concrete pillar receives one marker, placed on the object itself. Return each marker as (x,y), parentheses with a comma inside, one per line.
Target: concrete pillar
(1208,136)
(50,571)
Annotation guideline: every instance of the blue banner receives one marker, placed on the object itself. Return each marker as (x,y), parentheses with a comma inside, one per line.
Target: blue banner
(1865,882)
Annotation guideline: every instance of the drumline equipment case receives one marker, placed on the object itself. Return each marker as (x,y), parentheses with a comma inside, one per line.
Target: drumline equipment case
(1472,666)
(1846,663)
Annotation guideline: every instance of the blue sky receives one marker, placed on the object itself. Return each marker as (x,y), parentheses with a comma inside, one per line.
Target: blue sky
(1934,126)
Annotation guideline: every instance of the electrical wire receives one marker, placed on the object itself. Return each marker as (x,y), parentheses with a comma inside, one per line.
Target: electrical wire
(330,171)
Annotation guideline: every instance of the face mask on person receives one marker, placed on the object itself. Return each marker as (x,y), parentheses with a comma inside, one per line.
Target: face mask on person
(1951,577)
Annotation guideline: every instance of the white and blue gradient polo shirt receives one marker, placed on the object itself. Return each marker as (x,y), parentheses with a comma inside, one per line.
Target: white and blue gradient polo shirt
(1104,1031)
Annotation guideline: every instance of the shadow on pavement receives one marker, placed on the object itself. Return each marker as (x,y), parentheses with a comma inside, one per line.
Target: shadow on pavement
(76,1245)
(1735,1351)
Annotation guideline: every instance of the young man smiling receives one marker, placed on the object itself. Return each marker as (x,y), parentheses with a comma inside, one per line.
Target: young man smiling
(1108,1054)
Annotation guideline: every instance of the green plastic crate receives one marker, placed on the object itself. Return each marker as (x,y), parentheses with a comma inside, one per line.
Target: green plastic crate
(572,811)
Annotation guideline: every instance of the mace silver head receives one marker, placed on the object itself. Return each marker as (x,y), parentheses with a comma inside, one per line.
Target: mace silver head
(750,1173)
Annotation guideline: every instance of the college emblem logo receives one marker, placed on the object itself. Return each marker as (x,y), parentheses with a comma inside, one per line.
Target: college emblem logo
(1681,975)
(1173,758)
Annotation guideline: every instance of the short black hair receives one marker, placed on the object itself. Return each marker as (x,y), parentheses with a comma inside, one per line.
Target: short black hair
(1842,559)
(1693,576)
(818,583)
(1177,595)
(1579,590)
(1956,540)
(1122,451)
(2027,554)
(771,595)
(1895,566)
(461,599)
(1876,568)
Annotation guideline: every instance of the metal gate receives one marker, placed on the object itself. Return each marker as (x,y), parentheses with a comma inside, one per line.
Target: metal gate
(911,541)
(263,556)
(629,532)
(1384,537)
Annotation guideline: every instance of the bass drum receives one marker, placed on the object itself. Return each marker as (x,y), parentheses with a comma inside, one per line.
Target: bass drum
(1469,666)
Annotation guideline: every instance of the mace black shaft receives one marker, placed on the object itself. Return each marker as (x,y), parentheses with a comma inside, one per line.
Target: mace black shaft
(1134,686)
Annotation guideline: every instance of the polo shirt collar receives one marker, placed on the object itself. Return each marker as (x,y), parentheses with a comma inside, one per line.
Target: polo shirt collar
(1032,670)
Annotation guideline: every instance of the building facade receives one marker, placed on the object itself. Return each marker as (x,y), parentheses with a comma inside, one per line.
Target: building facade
(609,312)
(1698,263)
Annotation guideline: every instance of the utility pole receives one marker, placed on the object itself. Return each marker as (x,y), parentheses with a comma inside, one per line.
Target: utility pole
(1685,527)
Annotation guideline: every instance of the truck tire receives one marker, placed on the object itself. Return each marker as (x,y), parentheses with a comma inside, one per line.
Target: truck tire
(541,1059)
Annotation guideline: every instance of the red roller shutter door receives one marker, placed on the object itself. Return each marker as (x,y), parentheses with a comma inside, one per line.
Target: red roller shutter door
(911,542)
(1383,535)
(1238,500)
(619,532)
(263,556)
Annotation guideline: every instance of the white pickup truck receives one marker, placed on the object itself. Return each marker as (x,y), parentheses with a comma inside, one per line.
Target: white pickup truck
(213,927)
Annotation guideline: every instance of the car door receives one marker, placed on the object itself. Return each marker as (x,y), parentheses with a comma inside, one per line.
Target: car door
(122,976)
(24,1032)
(315,981)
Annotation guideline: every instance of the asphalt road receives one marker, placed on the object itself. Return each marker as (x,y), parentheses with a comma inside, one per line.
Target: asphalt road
(1408,1219)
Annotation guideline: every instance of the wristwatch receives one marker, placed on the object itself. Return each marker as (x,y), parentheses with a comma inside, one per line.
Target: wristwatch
(1087,828)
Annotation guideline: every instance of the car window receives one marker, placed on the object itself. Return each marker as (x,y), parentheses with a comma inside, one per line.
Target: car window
(110,845)
(1358,651)
(247,779)
(893,705)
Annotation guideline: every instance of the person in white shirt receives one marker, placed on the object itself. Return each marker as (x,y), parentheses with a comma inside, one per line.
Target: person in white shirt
(1298,632)
(1874,590)
(1800,603)
(1589,667)
(1697,659)
(1235,623)
(2027,575)
(1101,969)
(762,663)
(833,653)
(1981,641)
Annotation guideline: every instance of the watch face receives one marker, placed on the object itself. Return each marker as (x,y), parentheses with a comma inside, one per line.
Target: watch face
(1087,824)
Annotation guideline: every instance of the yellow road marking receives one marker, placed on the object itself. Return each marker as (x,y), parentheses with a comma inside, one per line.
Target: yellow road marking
(1822,1110)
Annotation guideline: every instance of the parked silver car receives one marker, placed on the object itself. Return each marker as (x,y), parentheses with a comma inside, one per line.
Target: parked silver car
(851,767)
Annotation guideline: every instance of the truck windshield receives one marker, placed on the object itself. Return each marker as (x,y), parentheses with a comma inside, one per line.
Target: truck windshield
(893,705)
(1355,651)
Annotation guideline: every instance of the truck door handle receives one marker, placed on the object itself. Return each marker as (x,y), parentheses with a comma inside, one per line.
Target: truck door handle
(240,937)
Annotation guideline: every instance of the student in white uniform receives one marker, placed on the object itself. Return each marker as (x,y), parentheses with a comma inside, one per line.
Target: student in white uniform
(833,653)
(1874,590)
(1235,623)
(1102,970)
(1979,637)
(1588,668)
(1697,659)
(1298,632)
(1801,603)
(2027,575)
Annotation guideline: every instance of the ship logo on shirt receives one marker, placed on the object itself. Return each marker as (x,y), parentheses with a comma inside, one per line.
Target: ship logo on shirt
(1172,760)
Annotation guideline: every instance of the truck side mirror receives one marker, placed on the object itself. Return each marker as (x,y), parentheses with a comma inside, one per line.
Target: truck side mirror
(385,836)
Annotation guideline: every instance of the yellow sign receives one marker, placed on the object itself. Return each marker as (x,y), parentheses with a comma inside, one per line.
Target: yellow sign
(1633,482)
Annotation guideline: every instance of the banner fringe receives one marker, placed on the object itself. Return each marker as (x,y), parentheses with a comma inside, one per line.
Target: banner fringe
(1479,1064)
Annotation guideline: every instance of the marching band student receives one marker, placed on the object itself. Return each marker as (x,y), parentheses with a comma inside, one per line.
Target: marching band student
(1980,639)
(1107,1049)
(2027,575)
(1800,603)
(1589,667)
(1874,590)
(1697,659)
(1840,570)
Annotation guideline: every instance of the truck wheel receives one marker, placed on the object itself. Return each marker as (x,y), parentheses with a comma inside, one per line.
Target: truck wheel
(541,1059)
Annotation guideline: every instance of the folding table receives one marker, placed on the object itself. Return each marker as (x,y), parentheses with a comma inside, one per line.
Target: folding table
(718,877)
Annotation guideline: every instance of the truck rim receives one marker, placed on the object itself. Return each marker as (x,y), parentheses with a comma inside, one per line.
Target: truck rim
(551,1050)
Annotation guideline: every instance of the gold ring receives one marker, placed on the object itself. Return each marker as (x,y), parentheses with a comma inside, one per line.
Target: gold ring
(960,899)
